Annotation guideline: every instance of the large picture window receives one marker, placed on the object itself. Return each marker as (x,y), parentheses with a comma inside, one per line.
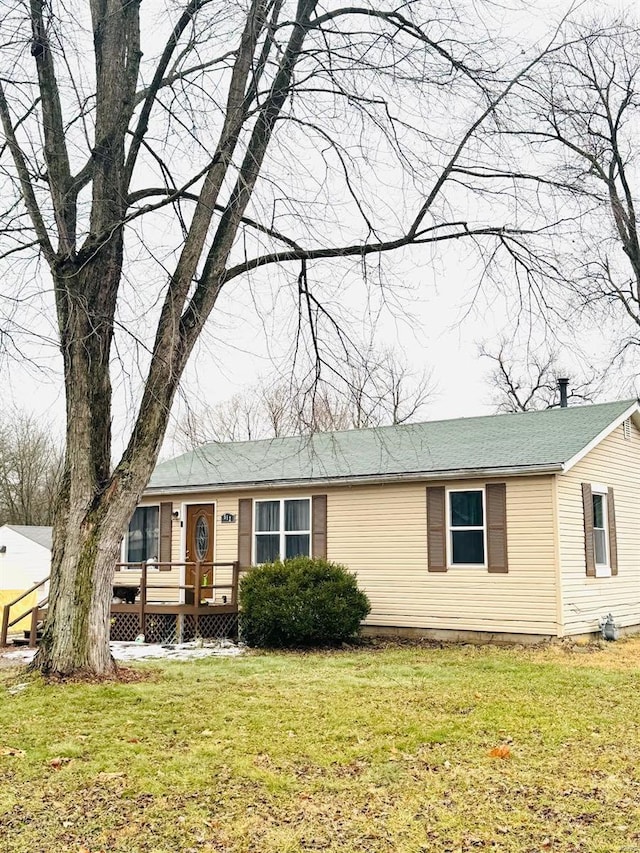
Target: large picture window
(466,528)
(282,529)
(143,536)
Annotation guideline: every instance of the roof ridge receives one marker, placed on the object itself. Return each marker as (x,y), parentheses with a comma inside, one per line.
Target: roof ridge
(397,427)
(462,447)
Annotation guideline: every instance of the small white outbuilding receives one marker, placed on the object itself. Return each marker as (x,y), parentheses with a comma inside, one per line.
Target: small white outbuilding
(25,559)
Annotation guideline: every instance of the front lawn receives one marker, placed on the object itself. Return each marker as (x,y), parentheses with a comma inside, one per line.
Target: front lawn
(383,749)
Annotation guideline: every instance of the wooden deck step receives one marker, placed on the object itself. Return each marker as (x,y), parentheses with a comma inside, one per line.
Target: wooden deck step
(25,639)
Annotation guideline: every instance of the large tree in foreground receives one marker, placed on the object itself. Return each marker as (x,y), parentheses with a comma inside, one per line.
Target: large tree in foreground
(150,181)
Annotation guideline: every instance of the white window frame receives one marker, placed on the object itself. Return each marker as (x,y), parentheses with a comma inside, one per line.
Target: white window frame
(282,532)
(123,548)
(603,570)
(450,529)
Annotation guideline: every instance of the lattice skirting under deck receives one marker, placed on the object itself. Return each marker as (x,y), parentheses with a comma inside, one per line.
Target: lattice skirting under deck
(173,628)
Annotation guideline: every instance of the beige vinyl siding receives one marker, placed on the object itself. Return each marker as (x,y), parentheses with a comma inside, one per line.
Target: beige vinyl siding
(380,533)
(614,462)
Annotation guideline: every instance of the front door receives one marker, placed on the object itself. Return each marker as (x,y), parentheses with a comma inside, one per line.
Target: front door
(200,527)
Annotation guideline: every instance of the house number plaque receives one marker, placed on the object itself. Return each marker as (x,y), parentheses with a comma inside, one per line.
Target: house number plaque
(228,518)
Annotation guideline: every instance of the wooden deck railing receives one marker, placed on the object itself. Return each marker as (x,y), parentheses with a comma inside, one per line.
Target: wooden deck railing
(196,599)
(201,571)
(32,611)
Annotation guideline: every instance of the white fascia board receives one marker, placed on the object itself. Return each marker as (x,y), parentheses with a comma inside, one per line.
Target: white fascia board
(632,412)
(374,479)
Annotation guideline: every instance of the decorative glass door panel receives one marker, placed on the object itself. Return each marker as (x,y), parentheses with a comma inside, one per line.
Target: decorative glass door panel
(199,550)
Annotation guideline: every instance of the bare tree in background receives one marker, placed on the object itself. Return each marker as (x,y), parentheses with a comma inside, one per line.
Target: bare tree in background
(529,382)
(579,110)
(263,132)
(374,390)
(30,471)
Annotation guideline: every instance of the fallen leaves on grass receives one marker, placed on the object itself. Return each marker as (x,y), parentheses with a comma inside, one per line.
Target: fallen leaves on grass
(118,675)
(57,763)
(500,752)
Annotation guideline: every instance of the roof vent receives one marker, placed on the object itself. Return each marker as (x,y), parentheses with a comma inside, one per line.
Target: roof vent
(563,385)
(626,429)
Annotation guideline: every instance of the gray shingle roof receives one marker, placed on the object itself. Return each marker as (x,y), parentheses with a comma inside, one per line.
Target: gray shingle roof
(39,535)
(514,443)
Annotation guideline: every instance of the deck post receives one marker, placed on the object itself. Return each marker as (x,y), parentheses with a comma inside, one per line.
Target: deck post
(197,592)
(33,633)
(5,624)
(143,594)
(235,580)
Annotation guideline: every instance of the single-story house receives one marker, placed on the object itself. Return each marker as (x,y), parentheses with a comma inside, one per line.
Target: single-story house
(516,526)
(25,560)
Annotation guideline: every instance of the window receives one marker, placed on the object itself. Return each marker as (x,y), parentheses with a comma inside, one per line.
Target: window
(282,529)
(143,536)
(600,539)
(466,528)
(600,524)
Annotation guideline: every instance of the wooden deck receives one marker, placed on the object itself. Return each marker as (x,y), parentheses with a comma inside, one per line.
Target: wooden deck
(159,609)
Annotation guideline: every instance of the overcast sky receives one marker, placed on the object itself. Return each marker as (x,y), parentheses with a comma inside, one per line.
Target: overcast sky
(436,320)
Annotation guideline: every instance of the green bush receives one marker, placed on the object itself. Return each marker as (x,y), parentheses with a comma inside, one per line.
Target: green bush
(300,602)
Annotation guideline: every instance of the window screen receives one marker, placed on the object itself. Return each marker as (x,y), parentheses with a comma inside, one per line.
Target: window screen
(466,525)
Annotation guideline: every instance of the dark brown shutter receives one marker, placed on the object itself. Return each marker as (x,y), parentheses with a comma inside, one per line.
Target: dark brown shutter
(587,509)
(498,561)
(166,524)
(319,526)
(245,531)
(613,542)
(436,529)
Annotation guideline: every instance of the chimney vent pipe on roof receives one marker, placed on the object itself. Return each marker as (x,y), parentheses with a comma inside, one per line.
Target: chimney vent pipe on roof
(563,385)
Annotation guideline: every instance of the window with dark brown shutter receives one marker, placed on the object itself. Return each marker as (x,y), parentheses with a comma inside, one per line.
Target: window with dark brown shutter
(496,499)
(600,539)
(436,529)
(319,526)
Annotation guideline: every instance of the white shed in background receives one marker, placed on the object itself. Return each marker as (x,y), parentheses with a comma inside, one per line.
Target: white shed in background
(25,559)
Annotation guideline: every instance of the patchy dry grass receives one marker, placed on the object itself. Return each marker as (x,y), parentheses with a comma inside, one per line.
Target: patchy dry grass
(368,750)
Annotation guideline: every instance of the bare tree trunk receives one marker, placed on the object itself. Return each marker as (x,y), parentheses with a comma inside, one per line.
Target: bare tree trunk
(95,503)
(76,636)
